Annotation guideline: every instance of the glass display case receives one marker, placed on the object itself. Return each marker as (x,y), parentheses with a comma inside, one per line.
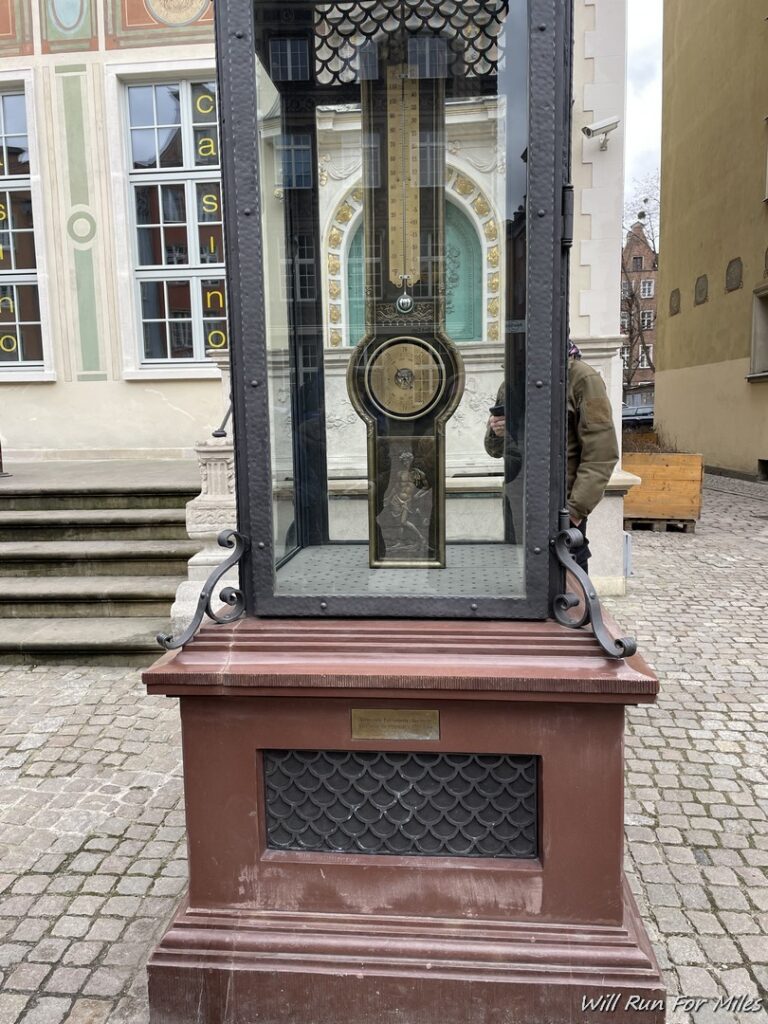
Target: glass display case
(394,178)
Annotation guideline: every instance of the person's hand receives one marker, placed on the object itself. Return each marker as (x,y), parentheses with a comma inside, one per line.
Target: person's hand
(498,425)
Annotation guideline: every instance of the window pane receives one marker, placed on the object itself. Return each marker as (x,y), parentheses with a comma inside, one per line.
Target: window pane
(216,334)
(168,104)
(169,147)
(24,250)
(153,300)
(31,342)
(175,246)
(14,115)
(7,305)
(29,305)
(143,148)
(21,210)
(289,60)
(141,111)
(174,204)
(6,252)
(17,154)
(208,201)
(9,346)
(150,247)
(206,146)
(180,337)
(211,244)
(147,209)
(155,344)
(178,299)
(204,103)
(214,298)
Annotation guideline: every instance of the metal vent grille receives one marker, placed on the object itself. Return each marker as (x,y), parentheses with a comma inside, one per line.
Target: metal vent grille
(437,805)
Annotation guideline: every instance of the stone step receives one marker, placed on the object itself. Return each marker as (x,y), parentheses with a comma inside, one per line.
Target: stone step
(21,499)
(93,524)
(127,641)
(57,597)
(96,558)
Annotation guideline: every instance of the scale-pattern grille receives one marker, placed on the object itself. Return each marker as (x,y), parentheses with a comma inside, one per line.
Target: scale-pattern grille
(342,28)
(440,805)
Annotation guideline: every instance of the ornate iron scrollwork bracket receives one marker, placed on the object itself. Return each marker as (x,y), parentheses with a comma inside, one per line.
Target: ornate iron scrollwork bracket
(567,539)
(229,595)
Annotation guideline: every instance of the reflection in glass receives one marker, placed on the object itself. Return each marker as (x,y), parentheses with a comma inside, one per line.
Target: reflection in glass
(393,181)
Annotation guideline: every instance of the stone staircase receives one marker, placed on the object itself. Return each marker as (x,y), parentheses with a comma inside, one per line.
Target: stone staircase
(90,572)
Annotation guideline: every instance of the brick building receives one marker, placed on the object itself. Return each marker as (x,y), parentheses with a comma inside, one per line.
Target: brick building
(639,269)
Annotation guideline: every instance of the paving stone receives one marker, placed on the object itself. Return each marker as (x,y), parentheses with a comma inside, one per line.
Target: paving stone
(47,1010)
(755,948)
(90,1011)
(27,977)
(11,1007)
(67,979)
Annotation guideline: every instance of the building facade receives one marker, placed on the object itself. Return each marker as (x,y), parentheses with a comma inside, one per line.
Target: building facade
(712,348)
(113,291)
(639,270)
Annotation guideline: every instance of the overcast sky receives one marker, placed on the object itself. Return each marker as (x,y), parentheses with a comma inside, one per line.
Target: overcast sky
(643,128)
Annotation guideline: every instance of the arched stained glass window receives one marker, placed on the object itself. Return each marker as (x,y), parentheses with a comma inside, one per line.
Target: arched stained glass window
(464,280)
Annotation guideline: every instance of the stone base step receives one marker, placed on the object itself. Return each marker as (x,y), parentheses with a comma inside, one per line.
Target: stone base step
(93,524)
(20,501)
(96,558)
(128,641)
(27,597)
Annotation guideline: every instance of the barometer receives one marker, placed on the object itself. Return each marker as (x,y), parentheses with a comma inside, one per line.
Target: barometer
(405,377)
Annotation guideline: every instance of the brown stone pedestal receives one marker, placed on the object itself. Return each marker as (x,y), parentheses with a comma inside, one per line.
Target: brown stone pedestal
(280,936)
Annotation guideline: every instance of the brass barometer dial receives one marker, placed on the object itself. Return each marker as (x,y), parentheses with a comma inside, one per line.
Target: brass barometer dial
(405,378)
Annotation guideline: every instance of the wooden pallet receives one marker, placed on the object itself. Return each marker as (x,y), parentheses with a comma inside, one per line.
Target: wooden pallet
(661,525)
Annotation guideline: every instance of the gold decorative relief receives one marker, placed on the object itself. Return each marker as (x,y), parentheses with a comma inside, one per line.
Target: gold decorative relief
(464,186)
(345,213)
(334,289)
(493,332)
(491,231)
(357,195)
(493,256)
(334,264)
(481,206)
(493,282)
(335,314)
(335,338)
(493,307)
(334,238)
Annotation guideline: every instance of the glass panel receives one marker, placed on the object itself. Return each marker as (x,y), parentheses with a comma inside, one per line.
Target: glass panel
(9,345)
(21,210)
(204,103)
(14,115)
(169,147)
(24,250)
(143,148)
(17,154)
(167,104)
(214,312)
(206,146)
(150,247)
(394,185)
(174,204)
(31,343)
(29,303)
(153,300)
(175,250)
(155,344)
(141,111)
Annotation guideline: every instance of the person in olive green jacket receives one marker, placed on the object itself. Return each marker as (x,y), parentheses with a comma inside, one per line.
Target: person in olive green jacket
(593,449)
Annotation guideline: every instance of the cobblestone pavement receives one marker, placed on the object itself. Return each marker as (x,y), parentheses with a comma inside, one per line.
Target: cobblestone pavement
(92,842)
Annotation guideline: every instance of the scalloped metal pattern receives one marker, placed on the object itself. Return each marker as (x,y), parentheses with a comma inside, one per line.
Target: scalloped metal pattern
(342,28)
(407,804)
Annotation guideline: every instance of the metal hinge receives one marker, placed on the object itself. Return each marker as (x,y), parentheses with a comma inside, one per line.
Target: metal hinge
(567,239)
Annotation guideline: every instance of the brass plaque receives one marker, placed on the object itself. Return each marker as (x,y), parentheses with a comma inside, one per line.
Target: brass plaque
(395,724)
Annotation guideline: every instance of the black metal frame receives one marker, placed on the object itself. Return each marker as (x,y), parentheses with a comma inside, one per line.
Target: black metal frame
(549,30)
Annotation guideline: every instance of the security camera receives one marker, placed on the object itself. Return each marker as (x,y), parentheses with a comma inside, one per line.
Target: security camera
(601,128)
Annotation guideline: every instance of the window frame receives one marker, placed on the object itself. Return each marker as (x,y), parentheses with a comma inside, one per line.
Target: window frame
(758,354)
(645,314)
(119,77)
(650,290)
(39,371)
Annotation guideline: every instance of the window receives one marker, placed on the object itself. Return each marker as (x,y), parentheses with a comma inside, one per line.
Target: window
(427,57)
(646,289)
(625,289)
(300,276)
(637,263)
(288,60)
(645,354)
(624,323)
(647,318)
(176,200)
(293,153)
(625,356)
(759,364)
(21,343)
(431,159)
